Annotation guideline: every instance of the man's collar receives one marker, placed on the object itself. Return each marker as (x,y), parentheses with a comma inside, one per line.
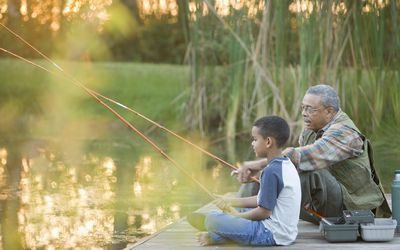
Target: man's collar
(325,128)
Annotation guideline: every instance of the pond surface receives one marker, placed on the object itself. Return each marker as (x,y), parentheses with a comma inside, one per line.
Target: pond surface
(74,177)
(104,196)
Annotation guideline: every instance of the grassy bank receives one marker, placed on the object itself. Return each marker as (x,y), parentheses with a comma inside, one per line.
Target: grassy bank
(153,90)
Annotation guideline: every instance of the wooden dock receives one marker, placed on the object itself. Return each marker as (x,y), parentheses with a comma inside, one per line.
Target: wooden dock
(181,235)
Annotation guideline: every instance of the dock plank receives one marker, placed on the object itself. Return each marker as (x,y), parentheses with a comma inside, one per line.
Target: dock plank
(181,235)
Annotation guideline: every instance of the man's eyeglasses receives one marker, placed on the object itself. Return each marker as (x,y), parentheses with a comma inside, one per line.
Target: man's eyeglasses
(308,109)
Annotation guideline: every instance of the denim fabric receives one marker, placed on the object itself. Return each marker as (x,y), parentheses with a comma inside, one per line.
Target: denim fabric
(223,228)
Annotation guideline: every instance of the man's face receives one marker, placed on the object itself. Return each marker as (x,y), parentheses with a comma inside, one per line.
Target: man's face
(315,115)
(258,142)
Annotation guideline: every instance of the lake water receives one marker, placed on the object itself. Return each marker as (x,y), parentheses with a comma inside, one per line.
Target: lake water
(97,194)
(74,177)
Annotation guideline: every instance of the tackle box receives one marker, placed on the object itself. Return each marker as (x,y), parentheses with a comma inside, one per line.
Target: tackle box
(358,216)
(381,229)
(339,232)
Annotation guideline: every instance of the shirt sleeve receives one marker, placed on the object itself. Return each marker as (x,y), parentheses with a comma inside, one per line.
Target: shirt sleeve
(271,184)
(338,143)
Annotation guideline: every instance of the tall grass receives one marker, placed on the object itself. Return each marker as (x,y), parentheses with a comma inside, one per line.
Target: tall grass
(274,56)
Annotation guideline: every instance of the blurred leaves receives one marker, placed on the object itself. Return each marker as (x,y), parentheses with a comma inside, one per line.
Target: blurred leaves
(121,22)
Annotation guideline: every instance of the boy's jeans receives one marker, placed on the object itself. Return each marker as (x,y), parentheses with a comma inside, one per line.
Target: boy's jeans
(224,227)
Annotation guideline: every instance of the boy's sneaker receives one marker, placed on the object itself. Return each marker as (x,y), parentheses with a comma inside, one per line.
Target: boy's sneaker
(197,220)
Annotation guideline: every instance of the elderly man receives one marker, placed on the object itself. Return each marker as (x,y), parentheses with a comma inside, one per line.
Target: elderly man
(333,159)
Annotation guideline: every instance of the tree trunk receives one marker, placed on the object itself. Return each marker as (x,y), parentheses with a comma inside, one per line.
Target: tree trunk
(134,8)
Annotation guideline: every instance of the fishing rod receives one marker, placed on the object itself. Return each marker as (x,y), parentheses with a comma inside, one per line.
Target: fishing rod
(176,135)
(129,125)
(312,212)
(125,107)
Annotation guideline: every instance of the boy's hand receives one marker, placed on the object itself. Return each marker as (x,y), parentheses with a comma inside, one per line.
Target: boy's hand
(226,206)
(222,204)
(232,211)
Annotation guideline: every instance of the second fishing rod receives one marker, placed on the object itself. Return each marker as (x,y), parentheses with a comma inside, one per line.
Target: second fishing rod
(128,124)
(75,81)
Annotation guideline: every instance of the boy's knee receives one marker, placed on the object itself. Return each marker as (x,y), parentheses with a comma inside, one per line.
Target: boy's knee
(212,220)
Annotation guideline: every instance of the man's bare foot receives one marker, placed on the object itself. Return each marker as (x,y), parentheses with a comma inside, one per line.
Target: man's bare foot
(204,239)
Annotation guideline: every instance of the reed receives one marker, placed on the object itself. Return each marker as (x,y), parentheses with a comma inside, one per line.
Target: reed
(395,98)
(266,62)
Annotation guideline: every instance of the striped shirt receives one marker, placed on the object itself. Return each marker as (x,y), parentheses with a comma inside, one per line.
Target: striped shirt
(334,143)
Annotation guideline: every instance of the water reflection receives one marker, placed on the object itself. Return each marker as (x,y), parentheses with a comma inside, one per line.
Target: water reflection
(11,236)
(104,199)
(62,207)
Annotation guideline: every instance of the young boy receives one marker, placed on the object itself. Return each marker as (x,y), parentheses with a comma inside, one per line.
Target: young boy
(271,217)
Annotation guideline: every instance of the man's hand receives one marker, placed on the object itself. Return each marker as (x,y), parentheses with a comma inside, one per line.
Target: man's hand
(244,172)
(287,151)
(293,156)
(249,169)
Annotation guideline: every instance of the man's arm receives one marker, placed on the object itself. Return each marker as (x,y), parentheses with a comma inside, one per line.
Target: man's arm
(338,143)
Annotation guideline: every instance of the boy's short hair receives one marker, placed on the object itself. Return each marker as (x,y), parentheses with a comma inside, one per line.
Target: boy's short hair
(273,126)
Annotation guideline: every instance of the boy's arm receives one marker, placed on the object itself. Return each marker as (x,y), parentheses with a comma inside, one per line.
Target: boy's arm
(249,202)
(258,213)
(227,204)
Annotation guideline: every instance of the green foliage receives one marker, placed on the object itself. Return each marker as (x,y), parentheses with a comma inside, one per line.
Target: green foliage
(385,141)
(83,35)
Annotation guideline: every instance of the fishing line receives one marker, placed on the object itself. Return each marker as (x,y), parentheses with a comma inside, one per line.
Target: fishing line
(88,91)
(76,82)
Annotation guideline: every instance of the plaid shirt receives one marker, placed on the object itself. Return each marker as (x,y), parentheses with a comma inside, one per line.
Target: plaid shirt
(334,143)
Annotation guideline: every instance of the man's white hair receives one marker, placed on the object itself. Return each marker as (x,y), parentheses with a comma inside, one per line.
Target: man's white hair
(329,97)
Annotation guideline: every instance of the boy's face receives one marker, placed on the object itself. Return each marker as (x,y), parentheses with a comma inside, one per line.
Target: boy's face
(260,145)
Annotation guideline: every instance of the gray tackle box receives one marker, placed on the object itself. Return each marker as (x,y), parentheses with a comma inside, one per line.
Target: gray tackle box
(339,232)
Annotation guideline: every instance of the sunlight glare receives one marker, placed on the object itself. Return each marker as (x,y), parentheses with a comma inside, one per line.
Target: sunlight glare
(160,211)
(83,194)
(339,8)
(25,164)
(49,203)
(23,8)
(88,178)
(216,172)
(25,199)
(3,156)
(63,218)
(151,226)
(109,166)
(50,247)
(175,207)
(144,167)
(137,189)
(55,232)
(3,6)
